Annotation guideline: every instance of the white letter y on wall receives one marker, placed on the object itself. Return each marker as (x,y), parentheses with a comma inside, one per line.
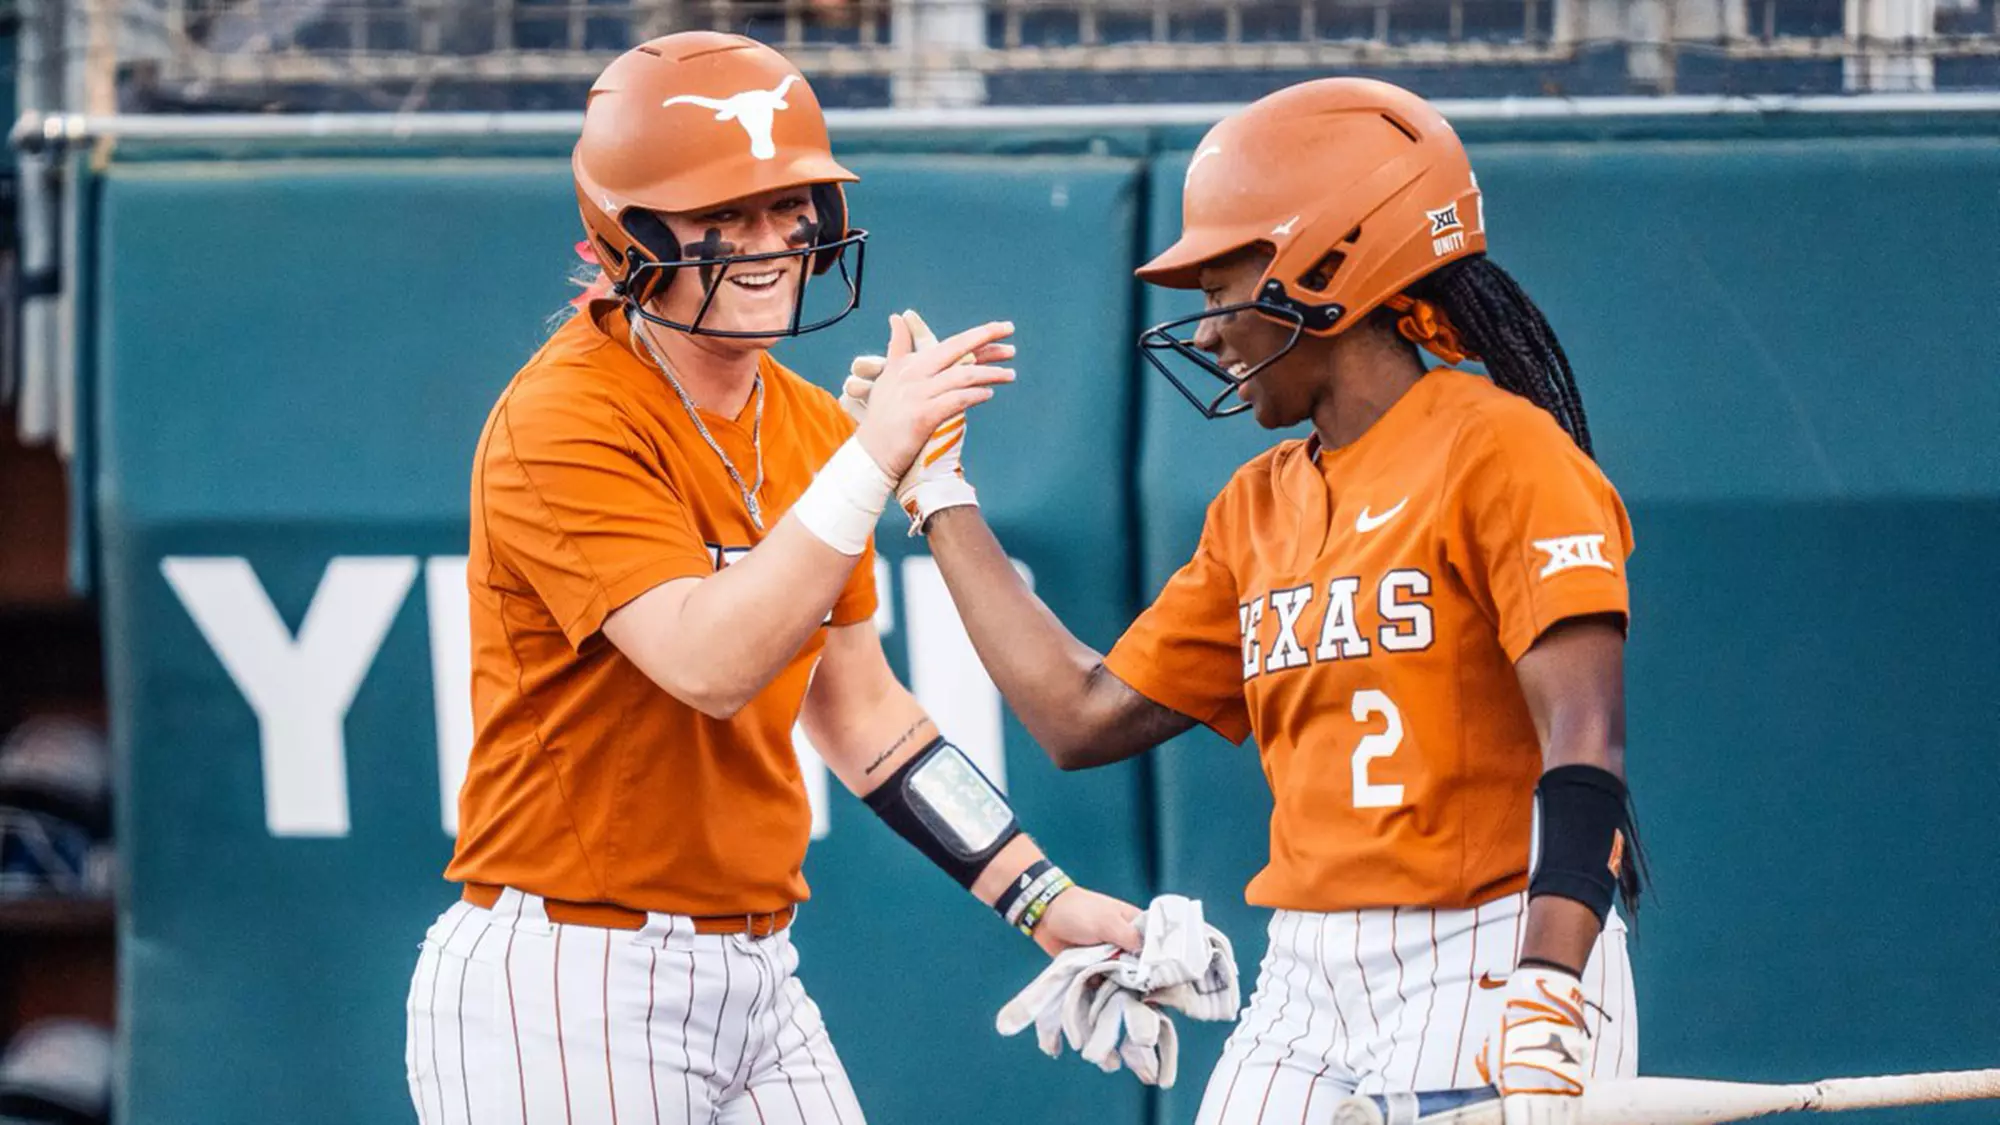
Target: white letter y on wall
(300,688)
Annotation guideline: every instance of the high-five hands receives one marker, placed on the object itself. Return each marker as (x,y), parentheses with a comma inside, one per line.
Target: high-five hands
(932,475)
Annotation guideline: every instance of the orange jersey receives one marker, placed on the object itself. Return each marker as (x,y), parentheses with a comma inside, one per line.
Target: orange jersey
(1359,610)
(587,781)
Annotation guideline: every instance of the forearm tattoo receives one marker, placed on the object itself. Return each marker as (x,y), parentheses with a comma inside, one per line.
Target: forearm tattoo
(895,746)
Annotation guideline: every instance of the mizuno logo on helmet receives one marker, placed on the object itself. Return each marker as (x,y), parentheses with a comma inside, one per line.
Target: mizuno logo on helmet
(755,110)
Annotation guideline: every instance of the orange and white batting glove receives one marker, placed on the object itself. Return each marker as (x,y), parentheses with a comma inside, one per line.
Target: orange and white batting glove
(936,479)
(1538,1055)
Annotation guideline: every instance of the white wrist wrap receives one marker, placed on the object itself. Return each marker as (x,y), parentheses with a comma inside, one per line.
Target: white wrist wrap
(845,499)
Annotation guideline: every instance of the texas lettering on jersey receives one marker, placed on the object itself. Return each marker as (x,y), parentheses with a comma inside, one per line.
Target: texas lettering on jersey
(1401,601)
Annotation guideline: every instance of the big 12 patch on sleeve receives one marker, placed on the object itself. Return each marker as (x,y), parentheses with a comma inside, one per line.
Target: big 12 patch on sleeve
(1569,552)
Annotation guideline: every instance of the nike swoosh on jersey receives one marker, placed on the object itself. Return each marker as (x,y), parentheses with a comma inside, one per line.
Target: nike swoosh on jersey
(1365,523)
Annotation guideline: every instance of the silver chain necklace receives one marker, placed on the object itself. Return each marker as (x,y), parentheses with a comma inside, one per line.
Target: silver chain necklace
(756,426)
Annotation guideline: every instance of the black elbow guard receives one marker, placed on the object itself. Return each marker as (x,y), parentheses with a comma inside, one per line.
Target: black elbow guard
(1583,821)
(941,802)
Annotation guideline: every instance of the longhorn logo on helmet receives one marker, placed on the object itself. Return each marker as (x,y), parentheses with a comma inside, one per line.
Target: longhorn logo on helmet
(755,110)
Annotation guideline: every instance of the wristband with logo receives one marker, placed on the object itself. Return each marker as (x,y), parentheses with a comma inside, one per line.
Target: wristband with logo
(1038,907)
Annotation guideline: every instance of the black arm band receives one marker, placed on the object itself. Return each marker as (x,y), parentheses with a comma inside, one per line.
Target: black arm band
(1582,823)
(940,802)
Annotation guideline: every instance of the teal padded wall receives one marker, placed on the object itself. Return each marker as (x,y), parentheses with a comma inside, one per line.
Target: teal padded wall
(1781,341)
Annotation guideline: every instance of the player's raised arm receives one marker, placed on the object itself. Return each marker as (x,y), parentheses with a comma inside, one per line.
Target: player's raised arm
(715,641)
(1080,712)
(887,751)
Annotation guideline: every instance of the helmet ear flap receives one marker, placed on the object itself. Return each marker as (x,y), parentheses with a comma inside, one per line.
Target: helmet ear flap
(652,242)
(830,203)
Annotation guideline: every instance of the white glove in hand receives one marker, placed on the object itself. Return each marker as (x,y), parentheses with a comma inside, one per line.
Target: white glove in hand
(1088,998)
(1107,1004)
(1110,1025)
(1041,1003)
(936,479)
(1097,1024)
(1151,1048)
(1539,1053)
(1185,963)
(1077,999)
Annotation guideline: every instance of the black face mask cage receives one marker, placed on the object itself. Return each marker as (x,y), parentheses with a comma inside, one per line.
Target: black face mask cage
(649,277)
(1157,341)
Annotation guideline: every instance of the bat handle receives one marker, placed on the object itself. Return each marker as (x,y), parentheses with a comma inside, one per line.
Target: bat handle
(1905,1089)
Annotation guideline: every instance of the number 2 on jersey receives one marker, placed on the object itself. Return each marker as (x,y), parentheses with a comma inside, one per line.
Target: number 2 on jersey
(1367,795)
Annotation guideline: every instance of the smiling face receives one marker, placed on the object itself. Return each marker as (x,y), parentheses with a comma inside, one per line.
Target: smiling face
(756,296)
(1283,393)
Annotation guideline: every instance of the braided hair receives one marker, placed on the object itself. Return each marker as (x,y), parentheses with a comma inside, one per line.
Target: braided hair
(1504,329)
(1484,313)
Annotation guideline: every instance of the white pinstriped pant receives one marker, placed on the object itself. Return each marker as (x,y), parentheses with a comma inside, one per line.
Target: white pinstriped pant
(515,1020)
(1374,1001)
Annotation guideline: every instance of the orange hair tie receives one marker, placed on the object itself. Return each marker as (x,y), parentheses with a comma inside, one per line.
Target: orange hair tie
(1426,326)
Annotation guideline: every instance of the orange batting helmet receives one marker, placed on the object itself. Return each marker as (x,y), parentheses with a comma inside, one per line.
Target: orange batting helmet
(690,121)
(1358,187)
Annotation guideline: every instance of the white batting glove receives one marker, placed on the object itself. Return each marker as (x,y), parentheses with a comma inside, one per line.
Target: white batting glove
(1110,1025)
(1109,1006)
(1151,1045)
(1187,964)
(1090,994)
(1042,1002)
(1538,1055)
(1094,1025)
(936,479)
